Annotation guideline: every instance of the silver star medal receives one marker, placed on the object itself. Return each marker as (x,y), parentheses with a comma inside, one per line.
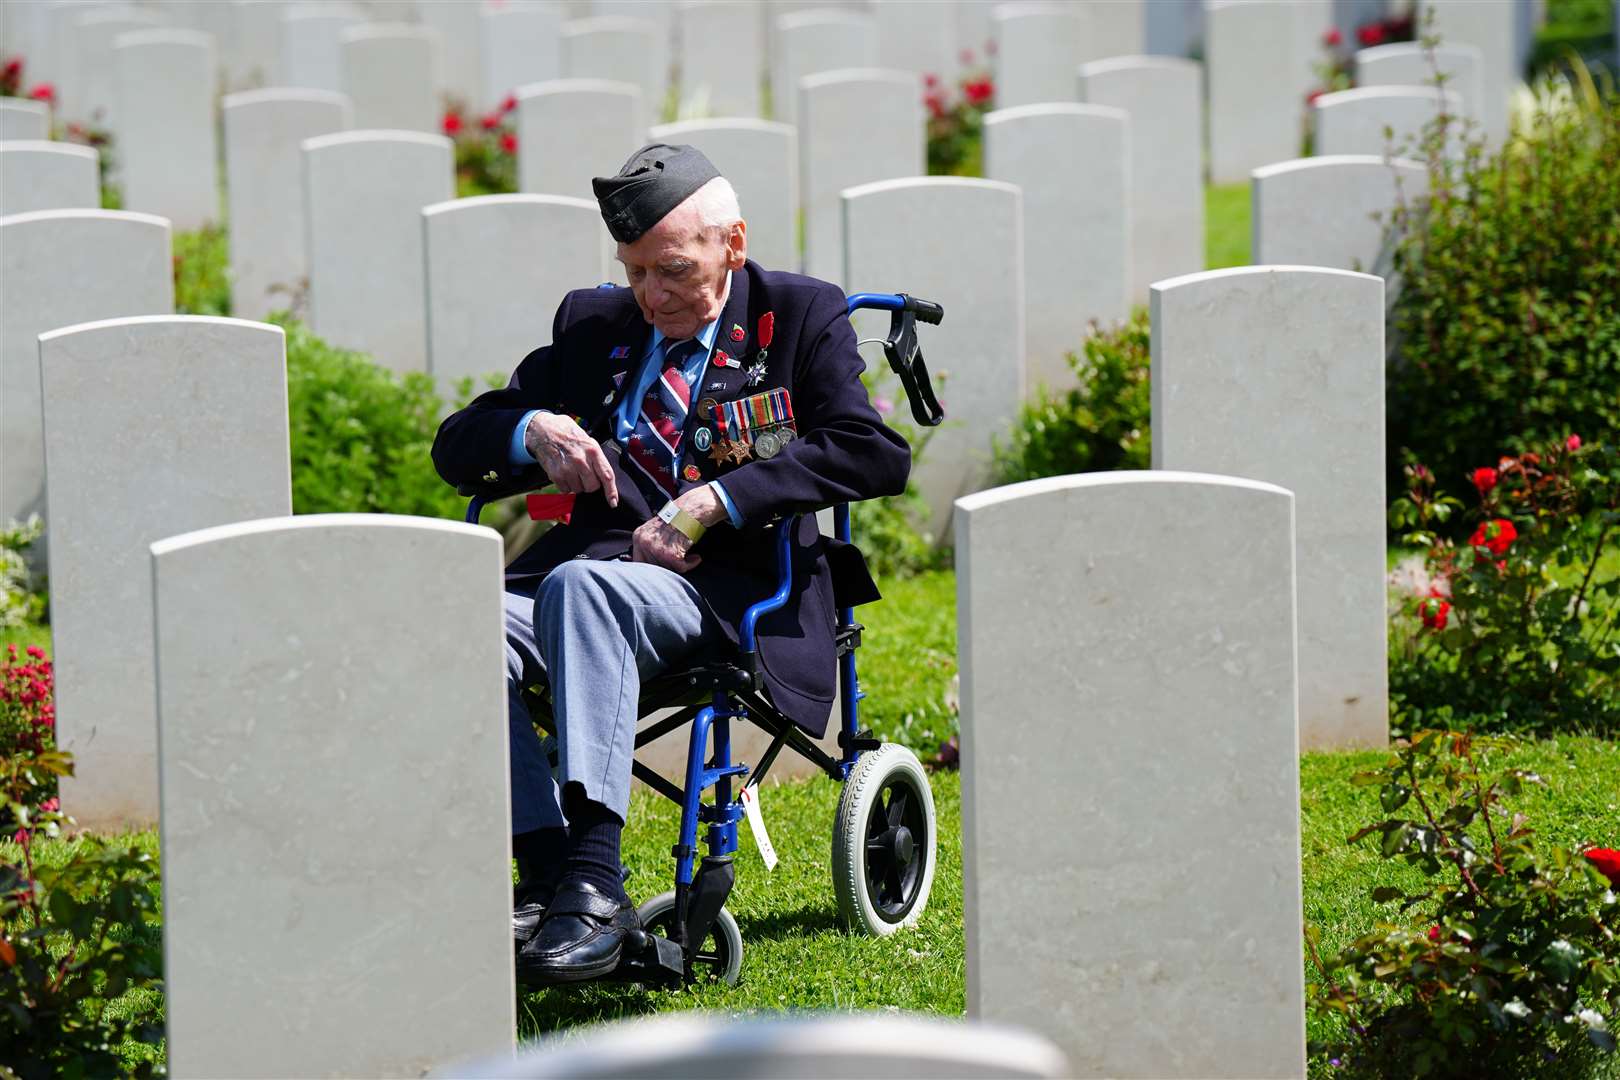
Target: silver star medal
(756,373)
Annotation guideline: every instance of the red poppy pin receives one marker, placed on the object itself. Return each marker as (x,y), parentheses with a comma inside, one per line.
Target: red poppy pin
(691,473)
(737,332)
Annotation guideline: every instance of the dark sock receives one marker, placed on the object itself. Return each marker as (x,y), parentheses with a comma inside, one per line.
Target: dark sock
(593,834)
(540,854)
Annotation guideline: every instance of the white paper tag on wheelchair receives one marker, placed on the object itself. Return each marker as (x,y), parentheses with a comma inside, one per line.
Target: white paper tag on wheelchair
(756,825)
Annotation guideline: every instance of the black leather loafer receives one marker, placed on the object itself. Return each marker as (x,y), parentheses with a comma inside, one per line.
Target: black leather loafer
(581,936)
(527,911)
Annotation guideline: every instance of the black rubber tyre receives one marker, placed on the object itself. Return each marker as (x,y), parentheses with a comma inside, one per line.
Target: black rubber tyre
(720,957)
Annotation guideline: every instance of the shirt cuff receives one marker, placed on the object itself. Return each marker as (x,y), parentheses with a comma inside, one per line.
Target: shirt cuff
(516,453)
(725,500)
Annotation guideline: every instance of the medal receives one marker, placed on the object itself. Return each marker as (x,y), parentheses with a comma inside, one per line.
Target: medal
(692,474)
(721,452)
(756,370)
(739,452)
(767,444)
(706,407)
(701,438)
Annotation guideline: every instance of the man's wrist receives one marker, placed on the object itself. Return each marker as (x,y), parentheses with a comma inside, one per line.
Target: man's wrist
(704,505)
(677,518)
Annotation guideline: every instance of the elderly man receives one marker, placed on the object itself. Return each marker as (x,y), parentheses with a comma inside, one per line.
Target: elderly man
(685,414)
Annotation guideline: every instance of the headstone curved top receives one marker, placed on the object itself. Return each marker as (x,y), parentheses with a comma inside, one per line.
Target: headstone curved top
(489,297)
(44,175)
(58,268)
(855,127)
(1138,627)
(1331,211)
(1377,119)
(1073,164)
(24,120)
(114,378)
(364,191)
(760,158)
(392,74)
(1490,27)
(309,782)
(570,130)
(958,242)
(310,53)
(1277,373)
(166,147)
(89,93)
(1037,49)
(1164,98)
(1407,63)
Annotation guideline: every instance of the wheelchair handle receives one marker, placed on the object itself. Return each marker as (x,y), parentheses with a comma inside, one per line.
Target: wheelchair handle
(904,352)
(784,563)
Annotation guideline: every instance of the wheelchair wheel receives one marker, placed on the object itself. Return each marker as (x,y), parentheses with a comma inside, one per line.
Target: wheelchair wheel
(885,842)
(719,958)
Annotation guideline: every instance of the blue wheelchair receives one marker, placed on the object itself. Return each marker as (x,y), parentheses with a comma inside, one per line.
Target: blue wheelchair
(885,842)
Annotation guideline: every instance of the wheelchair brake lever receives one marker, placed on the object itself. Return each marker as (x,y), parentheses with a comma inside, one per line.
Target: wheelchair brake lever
(906,361)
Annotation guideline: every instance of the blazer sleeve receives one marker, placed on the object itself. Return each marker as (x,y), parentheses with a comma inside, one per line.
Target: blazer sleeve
(475,441)
(844,452)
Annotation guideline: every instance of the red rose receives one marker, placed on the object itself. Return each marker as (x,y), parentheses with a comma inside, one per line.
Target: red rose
(930,81)
(509,143)
(1484,478)
(36,652)
(1332,37)
(1607,860)
(452,123)
(1434,933)
(44,92)
(490,121)
(1572,443)
(936,106)
(977,93)
(1495,536)
(13,68)
(1433,611)
(1371,34)
(509,103)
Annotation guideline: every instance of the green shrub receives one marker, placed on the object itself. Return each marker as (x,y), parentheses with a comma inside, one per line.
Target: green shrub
(1518,629)
(892,532)
(1505,963)
(1505,329)
(22,599)
(1584,26)
(955,127)
(361,434)
(1099,425)
(202,281)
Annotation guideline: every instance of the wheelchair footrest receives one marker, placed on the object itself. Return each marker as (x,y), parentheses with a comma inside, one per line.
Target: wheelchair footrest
(654,961)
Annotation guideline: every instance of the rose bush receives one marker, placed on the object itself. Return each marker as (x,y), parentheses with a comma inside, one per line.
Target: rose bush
(1504,963)
(956,120)
(486,149)
(1517,624)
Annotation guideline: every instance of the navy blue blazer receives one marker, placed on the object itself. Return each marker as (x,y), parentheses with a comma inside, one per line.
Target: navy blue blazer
(844,453)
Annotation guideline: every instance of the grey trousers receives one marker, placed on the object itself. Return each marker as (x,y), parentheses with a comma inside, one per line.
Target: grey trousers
(594,631)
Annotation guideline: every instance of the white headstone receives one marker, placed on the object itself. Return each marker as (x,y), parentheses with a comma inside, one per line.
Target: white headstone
(661,13)
(1488,25)
(1277,373)
(521,45)
(166,149)
(92,94)
(391,72)
(1126,642)
(721,57)
(570,130)
(1164,98)
(47,176)
(813,42)
(917,36)
(1115,28)
(1380,119)
(150,469)
(855,127)
(22,119)
(1038,47)
(312,791)
(264,188)
(760,158)
(617,49)
(975,33)
(497,266)
(311,49)
(257,34)
(1409,64)
(1073,164)
(1330,211)
(363,196)
(1251,51)
(58,268)
(958,243)
(460,30)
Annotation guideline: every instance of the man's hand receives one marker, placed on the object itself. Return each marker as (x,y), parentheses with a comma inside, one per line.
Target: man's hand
(665,545)
(572,459)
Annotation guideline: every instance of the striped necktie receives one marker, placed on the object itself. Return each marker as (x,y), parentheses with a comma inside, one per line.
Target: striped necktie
(655,442)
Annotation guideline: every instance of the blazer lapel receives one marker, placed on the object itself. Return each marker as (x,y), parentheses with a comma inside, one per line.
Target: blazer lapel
(618,374)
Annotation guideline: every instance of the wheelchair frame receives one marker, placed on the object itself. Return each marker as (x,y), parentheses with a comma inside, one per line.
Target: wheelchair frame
(735,691)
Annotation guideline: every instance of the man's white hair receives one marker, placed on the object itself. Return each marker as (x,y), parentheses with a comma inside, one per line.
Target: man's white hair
(716,204)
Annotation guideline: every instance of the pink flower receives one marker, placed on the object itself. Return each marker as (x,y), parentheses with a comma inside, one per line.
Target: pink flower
(36,652)
(44,92)
(930,81)
(1332,37)
(451,123)
(509,143)
(1434,933)
(509,103)
(1572,443)
(883,405)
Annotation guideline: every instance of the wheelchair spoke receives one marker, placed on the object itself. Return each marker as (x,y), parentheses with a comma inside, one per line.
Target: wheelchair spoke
(896,813)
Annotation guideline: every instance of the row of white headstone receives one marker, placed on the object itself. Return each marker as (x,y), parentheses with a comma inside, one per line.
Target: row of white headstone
(279,688)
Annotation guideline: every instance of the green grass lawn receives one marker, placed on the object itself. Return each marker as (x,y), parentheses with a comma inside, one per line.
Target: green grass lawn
(1226,225)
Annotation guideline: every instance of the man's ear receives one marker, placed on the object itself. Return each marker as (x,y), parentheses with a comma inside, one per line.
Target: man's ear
(737,246)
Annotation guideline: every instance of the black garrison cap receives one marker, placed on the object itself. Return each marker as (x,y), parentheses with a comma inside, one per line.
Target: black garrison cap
(655,180)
